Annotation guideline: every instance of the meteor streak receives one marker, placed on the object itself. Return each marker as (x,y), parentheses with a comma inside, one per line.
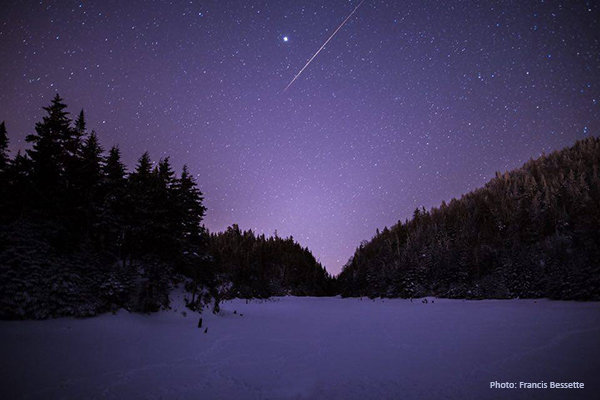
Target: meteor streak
(324,44)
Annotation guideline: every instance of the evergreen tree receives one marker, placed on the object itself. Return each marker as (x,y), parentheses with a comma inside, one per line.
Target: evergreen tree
(191,206)
(141,187)
(48,156)
(91,167)
(116,204)
(4,158)
(143,170)
(4,167)
(114,169)
(193,262)
(167,225)
(80,125)
(89,180)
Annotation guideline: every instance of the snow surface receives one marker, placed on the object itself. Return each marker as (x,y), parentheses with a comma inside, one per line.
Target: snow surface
(313,348)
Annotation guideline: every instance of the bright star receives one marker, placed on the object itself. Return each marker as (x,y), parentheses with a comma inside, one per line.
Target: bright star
(285,38)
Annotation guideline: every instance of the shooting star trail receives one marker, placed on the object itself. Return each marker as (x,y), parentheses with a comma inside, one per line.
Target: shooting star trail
(324,44)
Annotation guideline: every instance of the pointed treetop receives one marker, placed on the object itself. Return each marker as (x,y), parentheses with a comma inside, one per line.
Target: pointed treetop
(144,165)
(188,183)
(3,145)
(92,145)
(91,162)
(56,107)
(80,123)
(115,169)
(114,156)
(185,172)
(3,137)
(165,172)
(55,126)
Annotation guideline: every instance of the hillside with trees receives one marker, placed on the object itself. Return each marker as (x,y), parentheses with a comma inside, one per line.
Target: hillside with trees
(532,232)
(259,266)
(80,235)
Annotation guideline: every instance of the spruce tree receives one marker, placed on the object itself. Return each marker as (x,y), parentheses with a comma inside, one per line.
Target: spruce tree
(194,260)
(88,183)
(141,183)
(114,169)
(167,218)
(48,155)
(116,204)
(4,179)
(92,165)
(80,124)
(190,204)
(143,169)
(4,158)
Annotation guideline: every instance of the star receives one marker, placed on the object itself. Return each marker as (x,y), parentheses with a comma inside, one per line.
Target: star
(285,38)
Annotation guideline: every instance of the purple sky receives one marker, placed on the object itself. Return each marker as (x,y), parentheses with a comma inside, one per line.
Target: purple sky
(412,102)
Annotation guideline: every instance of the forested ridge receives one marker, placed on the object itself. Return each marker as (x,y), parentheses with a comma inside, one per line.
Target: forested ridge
(532,232)
(259,266)
(82,235)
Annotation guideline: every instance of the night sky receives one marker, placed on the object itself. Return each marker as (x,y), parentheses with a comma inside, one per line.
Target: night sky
(411,103)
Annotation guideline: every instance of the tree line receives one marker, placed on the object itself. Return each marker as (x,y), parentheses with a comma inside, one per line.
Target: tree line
(258,266)
(532,232)
(80,235)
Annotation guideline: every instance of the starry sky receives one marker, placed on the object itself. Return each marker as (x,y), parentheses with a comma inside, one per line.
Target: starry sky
(411,103)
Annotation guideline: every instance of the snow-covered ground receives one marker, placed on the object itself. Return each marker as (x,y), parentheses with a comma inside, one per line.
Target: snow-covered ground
(313,348)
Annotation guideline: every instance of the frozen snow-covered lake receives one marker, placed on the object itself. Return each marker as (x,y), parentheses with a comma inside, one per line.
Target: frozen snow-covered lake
(310,348)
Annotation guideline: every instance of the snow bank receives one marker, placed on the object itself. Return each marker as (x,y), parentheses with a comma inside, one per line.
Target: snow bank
(314,348)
